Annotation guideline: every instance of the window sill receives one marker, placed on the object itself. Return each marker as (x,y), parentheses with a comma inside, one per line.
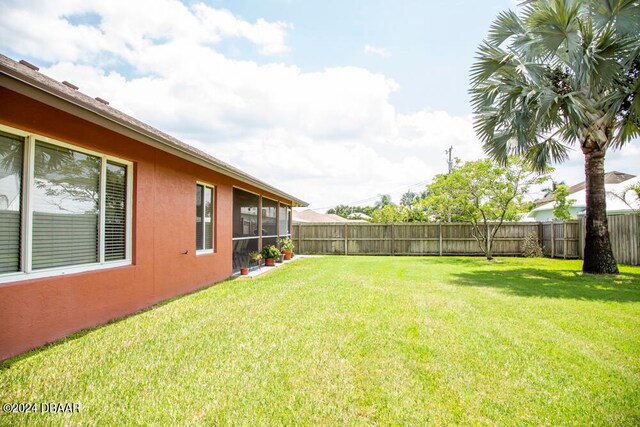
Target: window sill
(204,252)
(60,271)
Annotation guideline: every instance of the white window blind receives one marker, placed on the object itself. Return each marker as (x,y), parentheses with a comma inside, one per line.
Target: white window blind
(11,149)
(115,223)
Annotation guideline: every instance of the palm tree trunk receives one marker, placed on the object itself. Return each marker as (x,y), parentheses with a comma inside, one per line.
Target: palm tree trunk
(598,256)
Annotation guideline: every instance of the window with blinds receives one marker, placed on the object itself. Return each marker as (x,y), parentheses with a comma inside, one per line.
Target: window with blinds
(115,212)
(66,202)
(204,218)
(72,204)
(11,159)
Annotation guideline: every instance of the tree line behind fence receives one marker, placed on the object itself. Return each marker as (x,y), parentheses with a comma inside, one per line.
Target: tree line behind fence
(563,239)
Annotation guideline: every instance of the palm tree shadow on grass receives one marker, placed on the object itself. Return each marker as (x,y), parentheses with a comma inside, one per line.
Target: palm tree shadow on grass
(541,283)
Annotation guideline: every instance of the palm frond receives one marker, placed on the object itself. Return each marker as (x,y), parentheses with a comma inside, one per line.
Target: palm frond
(506,25)
(624,15)
(490,59)
(546,153)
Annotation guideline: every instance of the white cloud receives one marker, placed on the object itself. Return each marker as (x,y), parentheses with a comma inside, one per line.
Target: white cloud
(43,29)
(379,51)
(270,36)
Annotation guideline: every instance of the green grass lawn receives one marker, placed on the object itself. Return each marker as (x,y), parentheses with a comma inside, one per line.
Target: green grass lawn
(358,340)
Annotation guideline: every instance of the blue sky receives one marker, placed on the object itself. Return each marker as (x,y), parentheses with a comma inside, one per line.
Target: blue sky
(335,102)
(431,43)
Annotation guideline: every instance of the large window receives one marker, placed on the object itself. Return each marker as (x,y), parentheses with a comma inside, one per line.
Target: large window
(62,209)
(204,218)
(66,207)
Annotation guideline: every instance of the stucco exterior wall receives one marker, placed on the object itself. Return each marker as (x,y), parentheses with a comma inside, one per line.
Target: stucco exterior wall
(35,312)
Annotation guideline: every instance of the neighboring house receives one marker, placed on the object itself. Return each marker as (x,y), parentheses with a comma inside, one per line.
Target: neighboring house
(102,215)
(616,184)
(309,215)
(360,215)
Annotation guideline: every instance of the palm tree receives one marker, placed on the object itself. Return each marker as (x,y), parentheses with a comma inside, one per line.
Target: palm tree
(562,73)
(552,188)
(385,199)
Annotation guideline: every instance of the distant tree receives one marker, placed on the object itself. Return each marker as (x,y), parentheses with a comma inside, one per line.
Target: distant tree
(562,206)
(483,193)
(408,198)
(346,211)
(561,73)
(390,213)
(417,212)
(528,206)
(548,191)
(341,210)
(385,200)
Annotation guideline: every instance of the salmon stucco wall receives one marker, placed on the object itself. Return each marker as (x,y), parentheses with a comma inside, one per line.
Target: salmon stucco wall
(35,312)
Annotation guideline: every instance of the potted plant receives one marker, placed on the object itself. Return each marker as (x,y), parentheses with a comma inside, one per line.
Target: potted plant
(286,246)
(255,257)
(270,253)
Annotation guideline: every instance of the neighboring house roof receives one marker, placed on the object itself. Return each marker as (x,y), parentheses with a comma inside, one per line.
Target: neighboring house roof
(613,177)
(309,215)
(13,73)
(615,204)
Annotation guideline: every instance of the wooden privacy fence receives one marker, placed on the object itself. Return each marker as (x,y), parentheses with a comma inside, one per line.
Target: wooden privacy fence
(405,238)
(564,239)
(624,231)
(560,239)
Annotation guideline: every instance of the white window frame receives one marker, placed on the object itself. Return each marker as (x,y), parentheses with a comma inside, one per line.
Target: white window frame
(213,220)
(26,271)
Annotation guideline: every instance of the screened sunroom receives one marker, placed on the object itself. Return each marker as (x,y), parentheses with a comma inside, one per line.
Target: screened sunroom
(257,221)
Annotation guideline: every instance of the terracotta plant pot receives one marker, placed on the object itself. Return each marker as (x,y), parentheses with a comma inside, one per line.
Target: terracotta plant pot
(244,271)
(288,255)
(269,262)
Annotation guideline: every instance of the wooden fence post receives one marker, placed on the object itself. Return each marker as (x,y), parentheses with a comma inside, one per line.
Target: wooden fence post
(553,240)
(564,240)
(393,239)
(346,241)
(440,239)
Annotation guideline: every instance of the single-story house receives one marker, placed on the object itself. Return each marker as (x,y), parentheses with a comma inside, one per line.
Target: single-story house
(620,200)
(102,215)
